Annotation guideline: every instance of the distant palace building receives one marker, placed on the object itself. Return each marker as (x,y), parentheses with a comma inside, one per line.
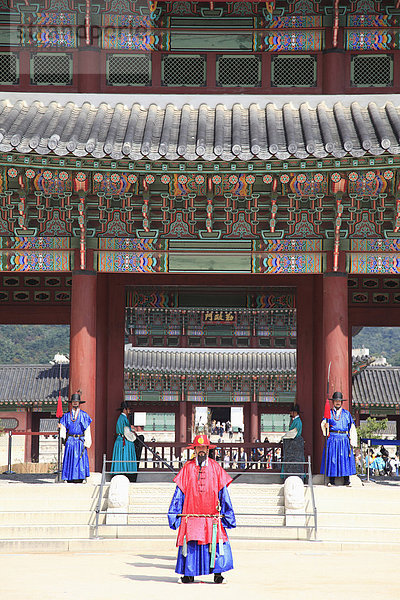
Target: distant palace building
(158,379)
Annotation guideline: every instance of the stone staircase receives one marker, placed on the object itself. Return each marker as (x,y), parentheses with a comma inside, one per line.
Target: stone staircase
(370,513)
(59,517)
(259,508)
(46,511)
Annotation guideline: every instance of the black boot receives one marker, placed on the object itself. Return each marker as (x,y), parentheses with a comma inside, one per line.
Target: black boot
(346,480)
(218,578)
(187,578)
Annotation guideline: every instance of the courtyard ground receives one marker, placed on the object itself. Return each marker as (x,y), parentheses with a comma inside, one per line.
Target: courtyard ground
(148,573)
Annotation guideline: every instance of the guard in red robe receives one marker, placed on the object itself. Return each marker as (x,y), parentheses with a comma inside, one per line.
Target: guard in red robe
(202,509)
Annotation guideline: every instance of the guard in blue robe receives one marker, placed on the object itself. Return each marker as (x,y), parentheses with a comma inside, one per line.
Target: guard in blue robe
(341,436)
(124,452)
(75,429)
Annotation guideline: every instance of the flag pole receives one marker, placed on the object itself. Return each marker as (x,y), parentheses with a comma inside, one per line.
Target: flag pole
(327,414)
(59,359)
(59,436)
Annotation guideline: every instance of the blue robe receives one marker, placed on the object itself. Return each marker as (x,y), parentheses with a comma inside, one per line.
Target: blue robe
(75,464)
(124,450)
(339,454)
(197,560)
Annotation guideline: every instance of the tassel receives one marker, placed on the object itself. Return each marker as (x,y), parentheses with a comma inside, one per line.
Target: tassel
(184,547)
(213,546)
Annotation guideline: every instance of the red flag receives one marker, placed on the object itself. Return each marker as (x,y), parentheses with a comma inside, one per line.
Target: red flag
(59,412)
(327,410)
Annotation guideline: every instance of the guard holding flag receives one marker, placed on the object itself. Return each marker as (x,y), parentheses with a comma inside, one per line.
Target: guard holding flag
(339,429)
(202,509)
(75,429)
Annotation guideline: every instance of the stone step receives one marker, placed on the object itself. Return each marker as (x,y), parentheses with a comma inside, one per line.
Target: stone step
(235,490)
(246,503)
(359,534)
(276,518)
(24,532)
(360,507)
(359,520)
(48,497)
(267,528)
(368,492)
(268,531)
(101,545)
(60,489)
(73,517)
(48,504)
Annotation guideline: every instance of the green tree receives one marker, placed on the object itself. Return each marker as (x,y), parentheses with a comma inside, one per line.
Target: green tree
(32,344)
(371,428)
(381,341)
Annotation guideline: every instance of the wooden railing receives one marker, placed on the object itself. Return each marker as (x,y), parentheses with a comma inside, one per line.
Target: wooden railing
(232,456)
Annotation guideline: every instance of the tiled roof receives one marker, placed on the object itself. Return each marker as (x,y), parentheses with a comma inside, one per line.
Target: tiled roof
(221,361)
(28,384)
(209,132)
(377,386)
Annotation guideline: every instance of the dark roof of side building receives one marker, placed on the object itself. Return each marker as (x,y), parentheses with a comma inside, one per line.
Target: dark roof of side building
(377,386)
(31,384)
(294,130)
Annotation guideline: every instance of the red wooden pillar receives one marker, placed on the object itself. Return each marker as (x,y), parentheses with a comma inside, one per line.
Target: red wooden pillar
(101,369)
(182,418)
(189,421)
(247,423)
(90,68)
(29,438)
(319,375)
(304,357)
(254,421)
(334,65)
(335,333)
(115,357)
(83,345)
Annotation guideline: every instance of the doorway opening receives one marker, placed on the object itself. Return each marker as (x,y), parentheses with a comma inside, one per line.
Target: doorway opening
(220,414)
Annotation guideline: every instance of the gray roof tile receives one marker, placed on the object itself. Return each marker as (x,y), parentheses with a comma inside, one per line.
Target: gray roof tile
(377,386)
(207,132)
(28,384)
(197,361)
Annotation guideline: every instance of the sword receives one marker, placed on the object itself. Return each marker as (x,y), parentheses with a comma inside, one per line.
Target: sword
(83,450)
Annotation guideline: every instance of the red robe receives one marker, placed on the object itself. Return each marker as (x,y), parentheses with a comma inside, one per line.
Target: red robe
(201,497)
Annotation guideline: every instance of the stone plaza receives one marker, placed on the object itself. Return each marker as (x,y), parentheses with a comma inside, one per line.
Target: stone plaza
(262,570)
